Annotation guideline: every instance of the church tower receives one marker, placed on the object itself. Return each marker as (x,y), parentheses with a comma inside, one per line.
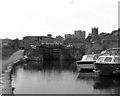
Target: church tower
(94,34)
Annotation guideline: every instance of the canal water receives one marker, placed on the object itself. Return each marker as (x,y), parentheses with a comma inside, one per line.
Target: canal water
(53,77)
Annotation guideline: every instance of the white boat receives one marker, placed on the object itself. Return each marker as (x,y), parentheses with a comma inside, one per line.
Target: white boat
(111,51)
(87,62)
(108,64)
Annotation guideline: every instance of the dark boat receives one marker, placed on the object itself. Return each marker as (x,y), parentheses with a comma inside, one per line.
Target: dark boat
(108,65)
(111,51)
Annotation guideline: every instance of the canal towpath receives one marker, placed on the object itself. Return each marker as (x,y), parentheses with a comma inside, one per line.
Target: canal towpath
(5,69)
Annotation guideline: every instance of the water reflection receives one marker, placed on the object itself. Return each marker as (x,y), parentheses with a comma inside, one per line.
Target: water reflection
(102,84)
(48,65)
(108,83)
(53,77)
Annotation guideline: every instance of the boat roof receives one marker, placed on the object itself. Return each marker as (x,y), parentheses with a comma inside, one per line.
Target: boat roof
(91,54)
(113,49)
(110,56)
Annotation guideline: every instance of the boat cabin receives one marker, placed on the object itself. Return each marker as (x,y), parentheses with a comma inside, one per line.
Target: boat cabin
(90,57)
(108,59)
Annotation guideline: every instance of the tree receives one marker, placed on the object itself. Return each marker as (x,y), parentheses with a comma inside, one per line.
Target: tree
(89,37)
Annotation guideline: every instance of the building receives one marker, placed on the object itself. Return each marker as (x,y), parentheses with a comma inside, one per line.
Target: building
(94,34)
(76,43)
(6,42)
(58,39)
(0,43)
(71,36)
(21,44)
(77,34)
(36,40)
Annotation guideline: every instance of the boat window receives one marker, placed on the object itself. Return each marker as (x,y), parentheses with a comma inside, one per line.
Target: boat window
(100,59)
(89,58)
(84,57)
(108,59)
(95,57)
(118,52)
(117,59)
(114,52)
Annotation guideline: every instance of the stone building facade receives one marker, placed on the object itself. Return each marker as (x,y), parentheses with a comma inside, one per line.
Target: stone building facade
(28,41)
(77,34)
(58,39)
(36,40)
(71,36)
(6,42)
(94,34)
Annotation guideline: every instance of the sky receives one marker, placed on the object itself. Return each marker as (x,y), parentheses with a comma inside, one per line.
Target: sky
(19,18)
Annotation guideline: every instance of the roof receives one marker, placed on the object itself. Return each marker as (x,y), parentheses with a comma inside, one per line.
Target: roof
(34,36)
(92,54)
(114,48)
(110,56)
(38,37)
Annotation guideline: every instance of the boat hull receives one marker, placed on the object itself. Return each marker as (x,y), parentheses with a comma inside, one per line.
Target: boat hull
(107,69)
(85,65)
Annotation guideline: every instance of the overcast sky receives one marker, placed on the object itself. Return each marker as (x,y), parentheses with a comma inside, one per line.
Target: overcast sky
(19,18)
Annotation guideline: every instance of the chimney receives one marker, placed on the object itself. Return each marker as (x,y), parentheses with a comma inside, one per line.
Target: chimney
(49,35)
